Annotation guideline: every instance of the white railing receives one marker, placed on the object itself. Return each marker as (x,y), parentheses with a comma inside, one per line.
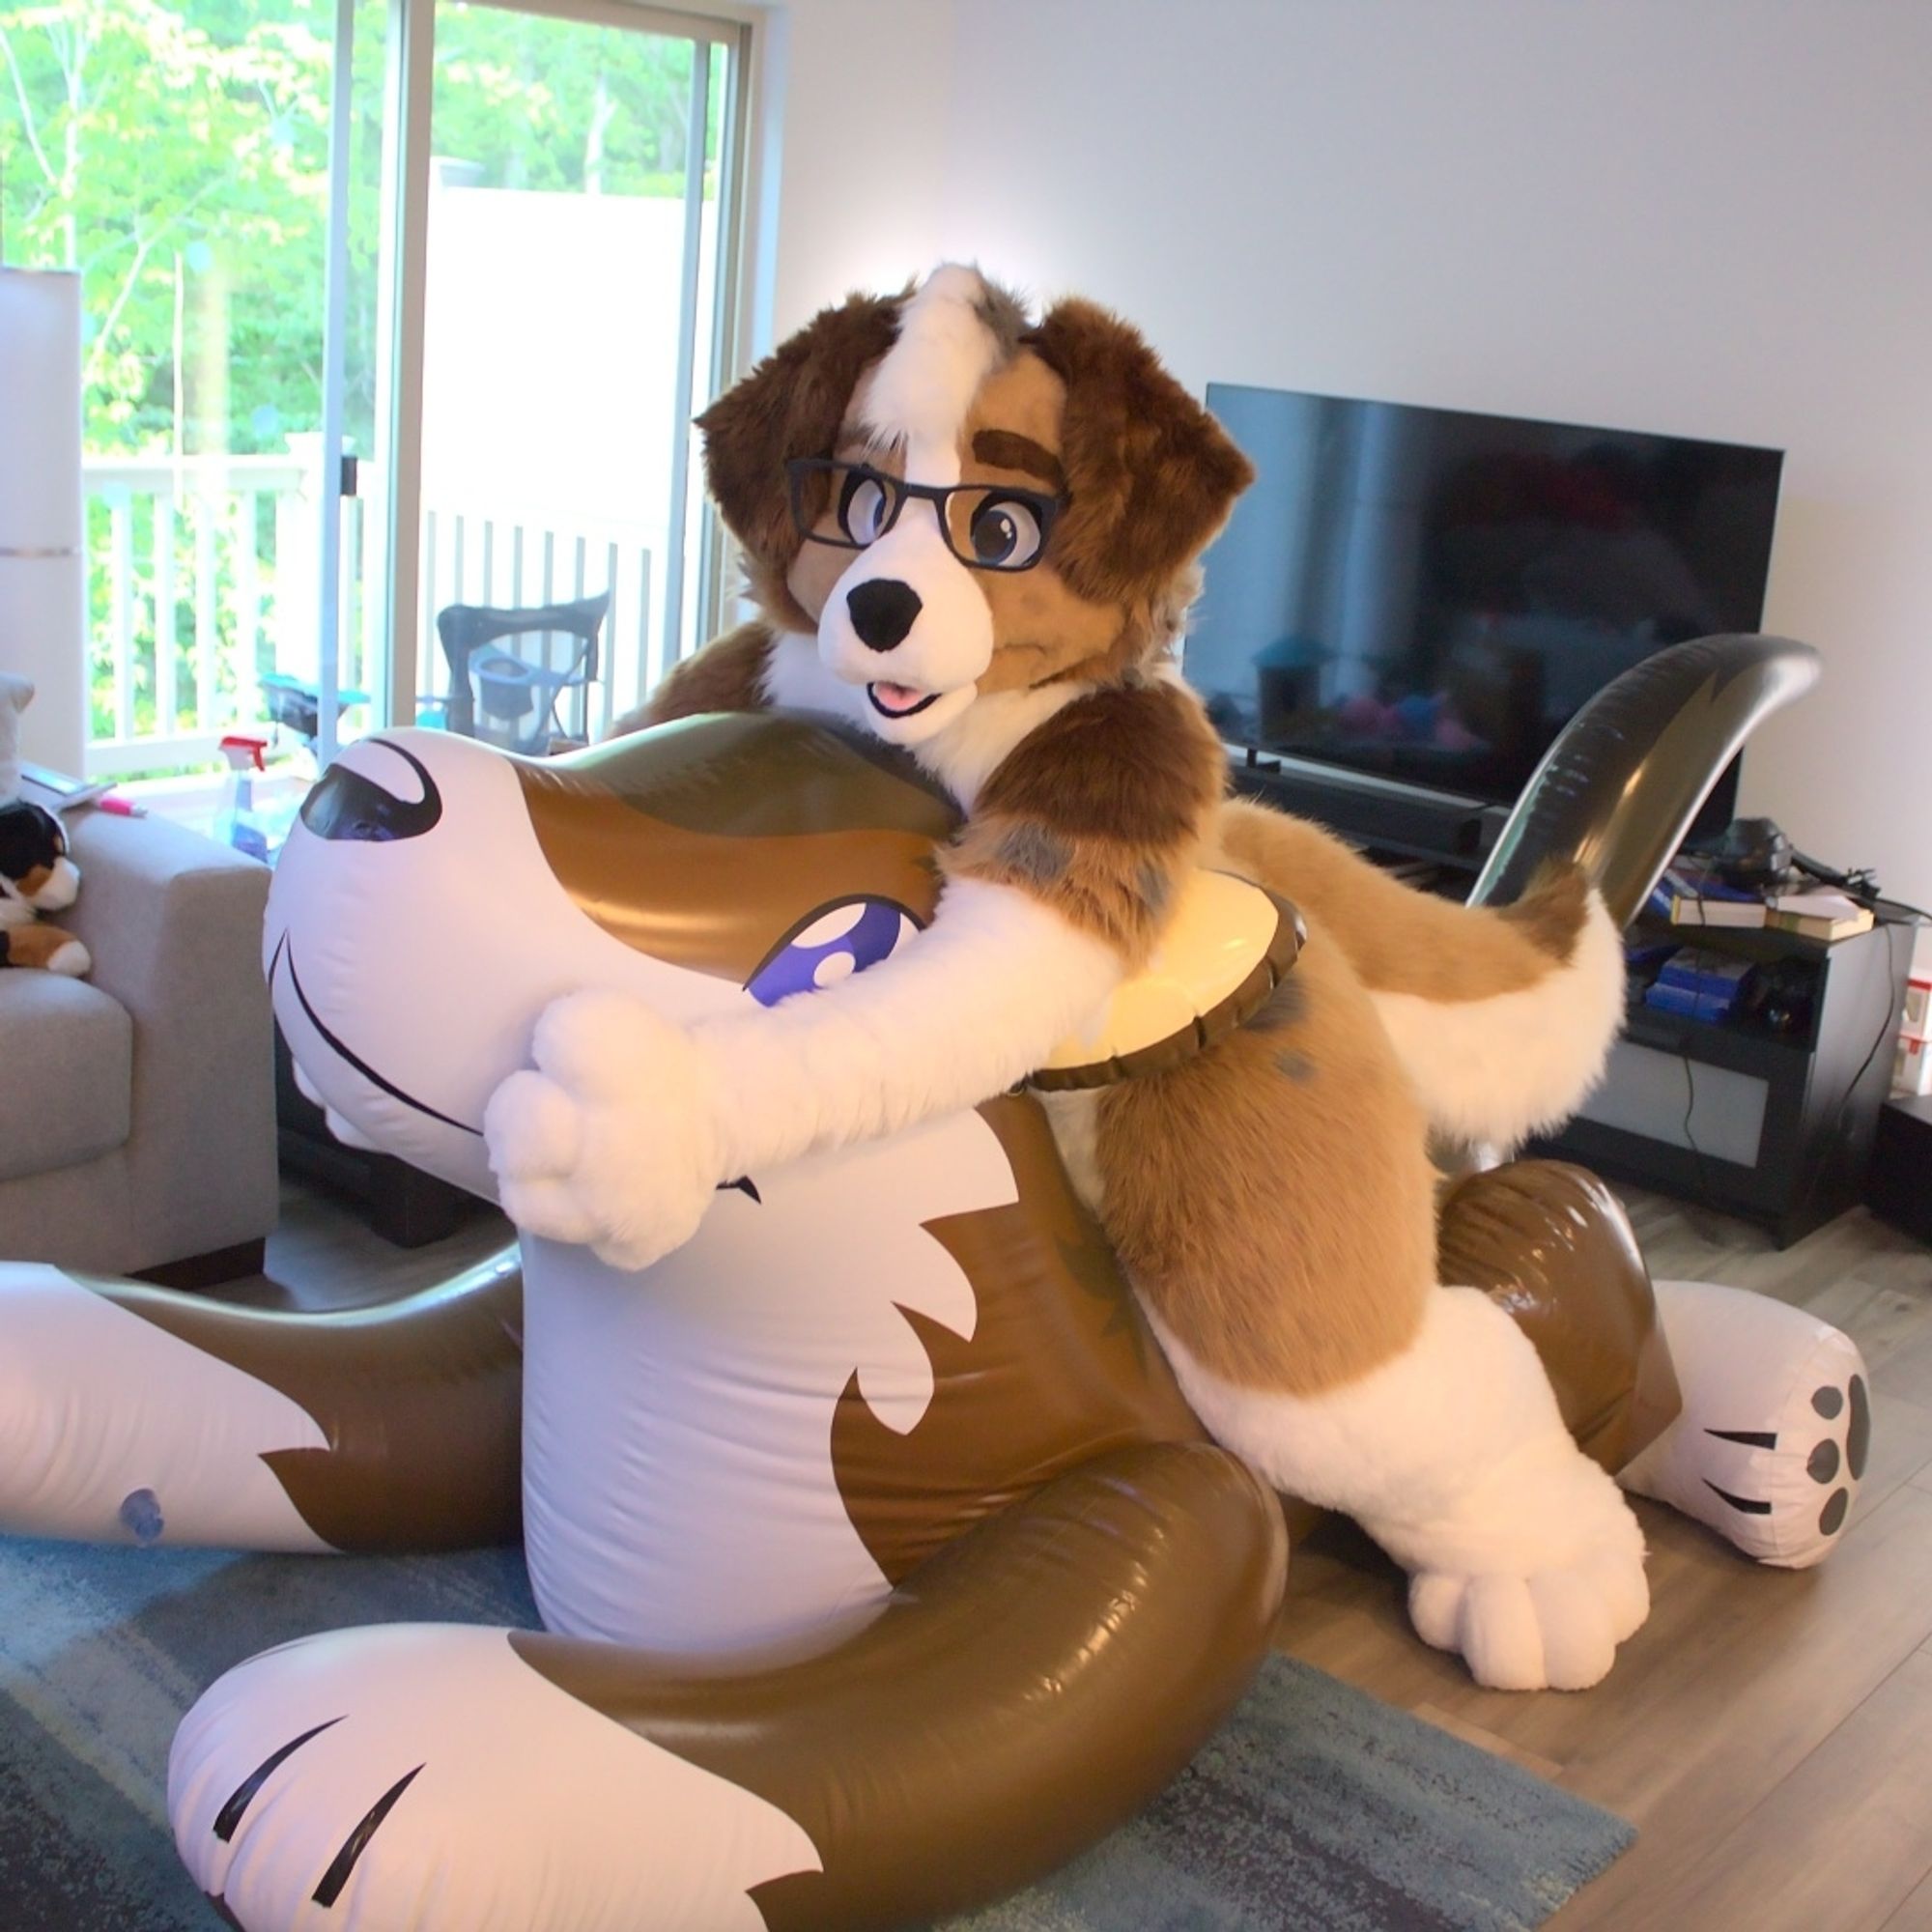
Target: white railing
(203,577)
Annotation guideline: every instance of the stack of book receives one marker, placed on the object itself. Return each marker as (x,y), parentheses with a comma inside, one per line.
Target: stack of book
(1691,895)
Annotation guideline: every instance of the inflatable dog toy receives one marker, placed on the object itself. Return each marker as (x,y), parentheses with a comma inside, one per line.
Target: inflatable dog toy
(883,1563)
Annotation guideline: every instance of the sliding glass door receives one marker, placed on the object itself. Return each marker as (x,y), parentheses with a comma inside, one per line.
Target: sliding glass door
(178,157)
(579,169)
(388,306)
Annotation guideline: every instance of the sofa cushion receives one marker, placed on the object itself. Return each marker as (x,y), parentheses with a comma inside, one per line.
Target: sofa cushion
(67,1072)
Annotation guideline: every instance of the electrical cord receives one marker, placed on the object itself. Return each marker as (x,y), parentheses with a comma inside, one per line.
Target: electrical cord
(1888,1026)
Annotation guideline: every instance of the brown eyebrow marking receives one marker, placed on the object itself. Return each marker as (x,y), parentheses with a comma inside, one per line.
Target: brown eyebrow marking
(1006,449)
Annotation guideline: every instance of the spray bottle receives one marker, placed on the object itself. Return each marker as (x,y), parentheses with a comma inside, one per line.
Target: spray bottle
(238,823)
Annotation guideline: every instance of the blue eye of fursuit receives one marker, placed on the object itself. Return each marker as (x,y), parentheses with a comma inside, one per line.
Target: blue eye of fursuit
(831,946)
(1006,532)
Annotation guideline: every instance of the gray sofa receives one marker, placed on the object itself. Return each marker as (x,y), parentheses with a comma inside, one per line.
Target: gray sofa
(137,1110)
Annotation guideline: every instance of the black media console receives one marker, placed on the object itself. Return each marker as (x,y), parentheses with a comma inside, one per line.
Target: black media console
(1769,1114)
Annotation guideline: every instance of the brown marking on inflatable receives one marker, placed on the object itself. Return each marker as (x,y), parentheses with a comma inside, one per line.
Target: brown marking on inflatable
(1135,1596)
(1061,1368)
(420,1400)
(1552,1244)
(1287,1239)
(703,842)
(1400,940)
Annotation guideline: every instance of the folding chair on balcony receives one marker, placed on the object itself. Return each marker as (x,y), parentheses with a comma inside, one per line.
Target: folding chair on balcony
(509,670)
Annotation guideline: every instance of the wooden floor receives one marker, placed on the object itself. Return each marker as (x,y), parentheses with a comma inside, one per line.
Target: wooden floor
(1770,1734)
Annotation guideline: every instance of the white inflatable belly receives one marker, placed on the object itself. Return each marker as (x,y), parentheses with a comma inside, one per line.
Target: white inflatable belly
(678,1487)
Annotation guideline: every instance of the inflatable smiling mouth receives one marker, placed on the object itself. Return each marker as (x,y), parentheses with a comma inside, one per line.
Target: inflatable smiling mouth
(285,958)
(900,700)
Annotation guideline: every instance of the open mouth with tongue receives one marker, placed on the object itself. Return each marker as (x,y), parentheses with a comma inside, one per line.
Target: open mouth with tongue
(899,701)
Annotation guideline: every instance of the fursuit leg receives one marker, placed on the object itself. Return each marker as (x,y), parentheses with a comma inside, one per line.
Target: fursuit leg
(1522,1553)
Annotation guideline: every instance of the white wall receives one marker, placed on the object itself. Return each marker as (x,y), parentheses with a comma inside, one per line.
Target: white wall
(860,97)
(1712,218)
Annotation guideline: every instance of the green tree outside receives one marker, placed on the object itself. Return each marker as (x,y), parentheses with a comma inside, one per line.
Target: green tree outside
(176,153)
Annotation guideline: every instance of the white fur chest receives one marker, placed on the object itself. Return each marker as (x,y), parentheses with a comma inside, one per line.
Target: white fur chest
(678,1484)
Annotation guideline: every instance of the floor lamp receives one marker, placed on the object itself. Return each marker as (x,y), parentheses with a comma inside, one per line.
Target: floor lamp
(42,542)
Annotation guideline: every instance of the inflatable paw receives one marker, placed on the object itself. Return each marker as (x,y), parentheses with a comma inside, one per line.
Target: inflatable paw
(372,1777)
(1775,1429)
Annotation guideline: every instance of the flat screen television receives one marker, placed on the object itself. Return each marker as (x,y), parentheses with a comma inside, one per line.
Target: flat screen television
(1428,596)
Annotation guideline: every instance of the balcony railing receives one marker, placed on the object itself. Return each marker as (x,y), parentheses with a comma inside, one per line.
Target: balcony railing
(203,577)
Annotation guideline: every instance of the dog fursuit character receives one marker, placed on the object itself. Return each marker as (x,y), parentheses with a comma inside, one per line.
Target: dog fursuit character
(975,535)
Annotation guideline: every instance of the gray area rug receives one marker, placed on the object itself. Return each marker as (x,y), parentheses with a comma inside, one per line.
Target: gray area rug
(1315,1809)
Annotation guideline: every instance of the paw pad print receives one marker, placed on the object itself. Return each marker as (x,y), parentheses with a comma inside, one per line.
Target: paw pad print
(1827,1461)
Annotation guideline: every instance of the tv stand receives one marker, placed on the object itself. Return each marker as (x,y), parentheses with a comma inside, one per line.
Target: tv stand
(1385,819)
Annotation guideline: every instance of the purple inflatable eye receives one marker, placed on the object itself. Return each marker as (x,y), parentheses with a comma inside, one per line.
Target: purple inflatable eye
(831,946)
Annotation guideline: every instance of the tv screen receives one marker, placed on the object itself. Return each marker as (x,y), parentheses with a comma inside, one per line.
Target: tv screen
(1428,596)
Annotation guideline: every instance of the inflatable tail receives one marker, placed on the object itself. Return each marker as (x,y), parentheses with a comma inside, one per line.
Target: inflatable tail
(1503,1011)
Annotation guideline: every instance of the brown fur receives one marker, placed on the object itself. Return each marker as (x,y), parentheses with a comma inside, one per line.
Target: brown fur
(1400,940)
(726,675)
(1151,474)
(1273,1199)
(792,404)
(1102,812)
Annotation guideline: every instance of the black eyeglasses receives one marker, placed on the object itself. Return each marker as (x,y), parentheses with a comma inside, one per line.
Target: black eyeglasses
(986,525)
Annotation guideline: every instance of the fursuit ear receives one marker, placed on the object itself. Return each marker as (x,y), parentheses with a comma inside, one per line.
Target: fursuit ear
(1151,476)
(792,404)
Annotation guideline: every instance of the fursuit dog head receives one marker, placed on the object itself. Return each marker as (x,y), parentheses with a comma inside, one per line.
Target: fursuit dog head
(942,498)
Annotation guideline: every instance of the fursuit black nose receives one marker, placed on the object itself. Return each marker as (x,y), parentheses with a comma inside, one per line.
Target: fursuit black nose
(349,804)
(883,610)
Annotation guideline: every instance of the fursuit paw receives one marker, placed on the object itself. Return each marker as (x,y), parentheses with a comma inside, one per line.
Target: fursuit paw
(612,1143)
(422,1775)
(1551,1620)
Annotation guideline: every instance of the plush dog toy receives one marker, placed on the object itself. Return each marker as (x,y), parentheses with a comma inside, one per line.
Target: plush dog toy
(37,876)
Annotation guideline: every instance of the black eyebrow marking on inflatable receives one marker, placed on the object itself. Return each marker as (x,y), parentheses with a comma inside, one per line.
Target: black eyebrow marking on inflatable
(358,1842)
(244,1794)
